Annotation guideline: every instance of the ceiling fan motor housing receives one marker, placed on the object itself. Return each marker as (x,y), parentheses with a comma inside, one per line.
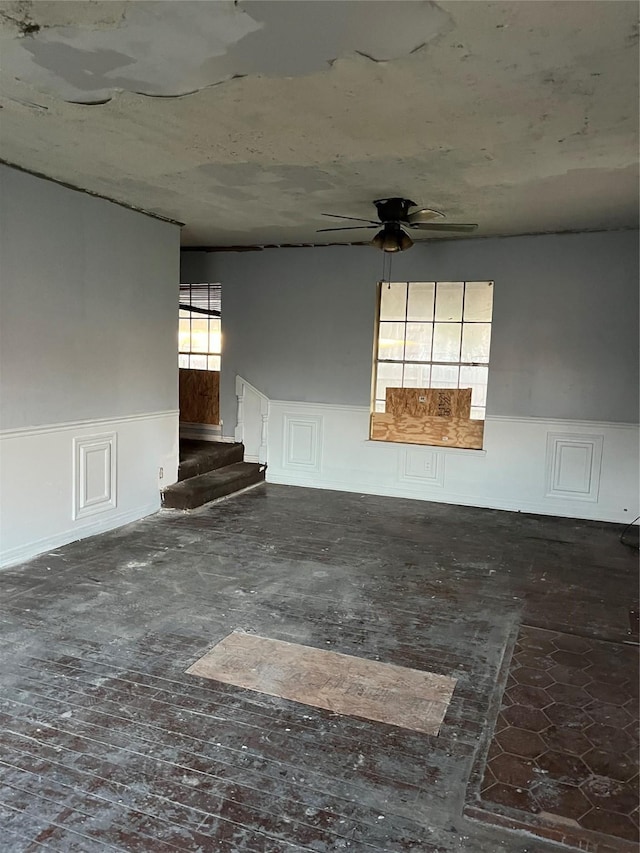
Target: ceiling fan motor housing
(393,209)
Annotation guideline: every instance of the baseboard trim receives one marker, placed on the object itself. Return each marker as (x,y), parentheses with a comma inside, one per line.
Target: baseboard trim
(436,496)
(81,531)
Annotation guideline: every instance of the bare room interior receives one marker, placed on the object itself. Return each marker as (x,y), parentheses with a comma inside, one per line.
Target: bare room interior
(319,403)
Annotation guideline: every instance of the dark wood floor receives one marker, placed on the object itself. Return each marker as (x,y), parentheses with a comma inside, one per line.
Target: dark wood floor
(106,744)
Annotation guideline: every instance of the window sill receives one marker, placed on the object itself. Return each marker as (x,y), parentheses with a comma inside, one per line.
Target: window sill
(467,451)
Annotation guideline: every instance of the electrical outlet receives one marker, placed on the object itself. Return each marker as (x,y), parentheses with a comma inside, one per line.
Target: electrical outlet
(161,473)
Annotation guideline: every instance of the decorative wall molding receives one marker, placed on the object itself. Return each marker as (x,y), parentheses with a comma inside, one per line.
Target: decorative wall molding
(573,465)
(335,407)
(590,425)
(94,474)
(594,473)
(421,465)
(59,484)
(537,465)
(99,423)
(302,448)
(568,423)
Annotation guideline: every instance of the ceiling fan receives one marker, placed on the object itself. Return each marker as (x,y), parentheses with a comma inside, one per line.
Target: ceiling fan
(395,215)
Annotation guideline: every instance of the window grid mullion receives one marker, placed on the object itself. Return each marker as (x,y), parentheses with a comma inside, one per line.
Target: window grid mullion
(464,295)
(404,342)
(437,363)
(208,324)
(190,323)
(433,332)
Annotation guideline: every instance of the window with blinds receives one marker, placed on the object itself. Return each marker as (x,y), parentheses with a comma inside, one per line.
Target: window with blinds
(199,330)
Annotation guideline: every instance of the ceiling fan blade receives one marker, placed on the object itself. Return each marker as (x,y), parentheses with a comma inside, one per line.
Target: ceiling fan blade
(353,218)
(425,214)
(349,228)
(443,226)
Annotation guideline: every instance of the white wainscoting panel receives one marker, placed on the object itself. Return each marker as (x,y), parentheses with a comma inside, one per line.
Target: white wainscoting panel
(422,465)
(577,469)
(573,466)
(63,482)
(94,476)
(302,449)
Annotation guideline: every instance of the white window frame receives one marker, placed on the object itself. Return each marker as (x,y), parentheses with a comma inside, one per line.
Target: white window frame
(478,406)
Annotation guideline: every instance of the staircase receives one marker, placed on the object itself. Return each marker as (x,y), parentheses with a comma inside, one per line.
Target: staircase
(209,470)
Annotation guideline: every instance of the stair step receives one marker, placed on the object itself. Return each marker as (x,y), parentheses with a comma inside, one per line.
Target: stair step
(196,491)
(198,457)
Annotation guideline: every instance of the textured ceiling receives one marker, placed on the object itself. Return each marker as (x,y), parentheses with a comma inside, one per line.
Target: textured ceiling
(246,121)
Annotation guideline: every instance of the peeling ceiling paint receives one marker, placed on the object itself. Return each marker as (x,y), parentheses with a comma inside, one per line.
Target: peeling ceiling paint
(249,120)
(169,49)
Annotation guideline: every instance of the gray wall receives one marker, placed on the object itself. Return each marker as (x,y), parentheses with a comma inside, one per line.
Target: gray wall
(298,323)
(88,306)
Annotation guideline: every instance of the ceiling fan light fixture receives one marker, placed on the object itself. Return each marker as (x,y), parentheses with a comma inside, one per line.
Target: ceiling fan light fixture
(405,241)
(392,239)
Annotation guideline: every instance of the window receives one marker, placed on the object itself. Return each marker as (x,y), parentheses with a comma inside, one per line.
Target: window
(199,332)
(434,334)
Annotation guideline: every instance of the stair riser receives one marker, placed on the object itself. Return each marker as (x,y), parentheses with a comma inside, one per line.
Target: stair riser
(191,501)
(219,458)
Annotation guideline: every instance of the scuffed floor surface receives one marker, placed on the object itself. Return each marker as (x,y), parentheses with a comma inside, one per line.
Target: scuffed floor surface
(107,744)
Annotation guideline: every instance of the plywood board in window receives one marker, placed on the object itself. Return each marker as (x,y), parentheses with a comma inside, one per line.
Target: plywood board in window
(199,396)
(440,432)
(420,402)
